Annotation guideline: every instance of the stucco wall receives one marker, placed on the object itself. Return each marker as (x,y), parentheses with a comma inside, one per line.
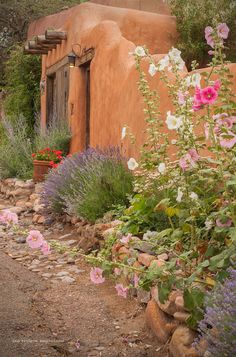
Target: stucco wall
(115,100)
(157,6)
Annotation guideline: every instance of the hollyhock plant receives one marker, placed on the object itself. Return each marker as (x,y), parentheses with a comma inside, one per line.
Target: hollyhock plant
(121,290)
(96,276)
(224,224)
(132,164)
(35,239)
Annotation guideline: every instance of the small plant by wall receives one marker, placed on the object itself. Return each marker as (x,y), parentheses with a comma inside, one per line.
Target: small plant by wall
(22,76)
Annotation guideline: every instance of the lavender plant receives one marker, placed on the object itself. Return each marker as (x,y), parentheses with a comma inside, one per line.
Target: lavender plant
(88,184)
(218,328)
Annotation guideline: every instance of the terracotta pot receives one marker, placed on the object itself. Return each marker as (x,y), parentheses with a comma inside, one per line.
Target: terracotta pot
(41,169)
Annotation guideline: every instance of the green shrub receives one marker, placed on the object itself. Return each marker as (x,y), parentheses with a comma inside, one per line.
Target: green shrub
(22,78)
(57,136)
(16,151)
(192,18)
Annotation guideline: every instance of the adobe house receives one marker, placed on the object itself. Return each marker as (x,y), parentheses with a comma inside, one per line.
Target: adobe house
(97,93)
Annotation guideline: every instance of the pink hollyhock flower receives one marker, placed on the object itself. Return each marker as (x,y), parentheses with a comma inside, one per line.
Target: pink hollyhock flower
(194,155)
(227,140)
(35,239)
(189,159)
(126,239)
(45,248)
(117,271)
(223,31)
(208,95)
(217,85)
(211,53)
(96,276)
(183,163)
(136,280)
(121,290)
(206,130)
(181,97)
(8,217)
(208,36)
(221,224)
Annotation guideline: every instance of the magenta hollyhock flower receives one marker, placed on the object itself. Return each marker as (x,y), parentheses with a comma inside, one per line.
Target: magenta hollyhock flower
(126,239)
(221,224)
(223,31)
(227,140)
(121,290)
(208,95)
(35,239)
(45,248)
(183,163)
(96,276)
(197,100)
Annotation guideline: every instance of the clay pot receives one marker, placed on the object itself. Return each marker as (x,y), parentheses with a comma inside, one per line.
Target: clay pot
(41,169)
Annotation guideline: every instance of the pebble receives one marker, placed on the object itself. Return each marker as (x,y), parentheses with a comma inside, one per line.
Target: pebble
(71,242)
(62,273)
(47,275)
(20,240)
(67,279)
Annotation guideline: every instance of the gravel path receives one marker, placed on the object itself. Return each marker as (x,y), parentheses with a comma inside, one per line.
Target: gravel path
(45,315)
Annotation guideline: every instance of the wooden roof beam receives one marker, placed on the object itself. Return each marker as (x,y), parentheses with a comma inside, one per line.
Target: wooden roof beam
(29,51)
(34,46)
(41,39)
(54,34)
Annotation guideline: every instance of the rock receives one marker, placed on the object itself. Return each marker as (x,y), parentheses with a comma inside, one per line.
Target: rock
(179,302)
(158,263)
(163,256)
(169,306)
(161,324)
(123,253)
(87,244)
(41,220)
(141,245)
(71,242)
(143,296)
(17,210)
(181,316)
(20,240)
(181,341)
(68,280)
(145,259)
(70,260)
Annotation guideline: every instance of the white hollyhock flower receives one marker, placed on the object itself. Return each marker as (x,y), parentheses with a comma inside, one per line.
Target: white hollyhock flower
(194,80)
(152,69)
(173,122)
(173,141)
(208,224)
(163,63)
(174,54)
(193,195)
(140,51)
(132,164)
(123,133)
(161,167)
(179,195)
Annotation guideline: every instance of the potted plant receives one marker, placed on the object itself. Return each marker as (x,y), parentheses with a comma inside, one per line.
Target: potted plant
(43,161)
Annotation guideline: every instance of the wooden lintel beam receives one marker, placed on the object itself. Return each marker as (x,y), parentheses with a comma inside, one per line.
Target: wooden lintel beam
(53,34)
(85,58)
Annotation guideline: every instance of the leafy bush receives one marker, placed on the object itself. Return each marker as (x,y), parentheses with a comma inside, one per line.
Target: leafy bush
(18,146)
(56,136)
(218,328)
(192,18)
(22,76)
(88,184)
(16,151)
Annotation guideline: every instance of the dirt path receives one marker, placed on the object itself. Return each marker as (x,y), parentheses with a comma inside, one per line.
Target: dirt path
(47,317)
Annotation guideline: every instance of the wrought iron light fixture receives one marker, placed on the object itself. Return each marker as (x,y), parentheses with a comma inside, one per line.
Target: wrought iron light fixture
(71,59)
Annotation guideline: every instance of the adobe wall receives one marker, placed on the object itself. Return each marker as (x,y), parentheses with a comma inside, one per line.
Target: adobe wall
(157,6)
(115,100)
